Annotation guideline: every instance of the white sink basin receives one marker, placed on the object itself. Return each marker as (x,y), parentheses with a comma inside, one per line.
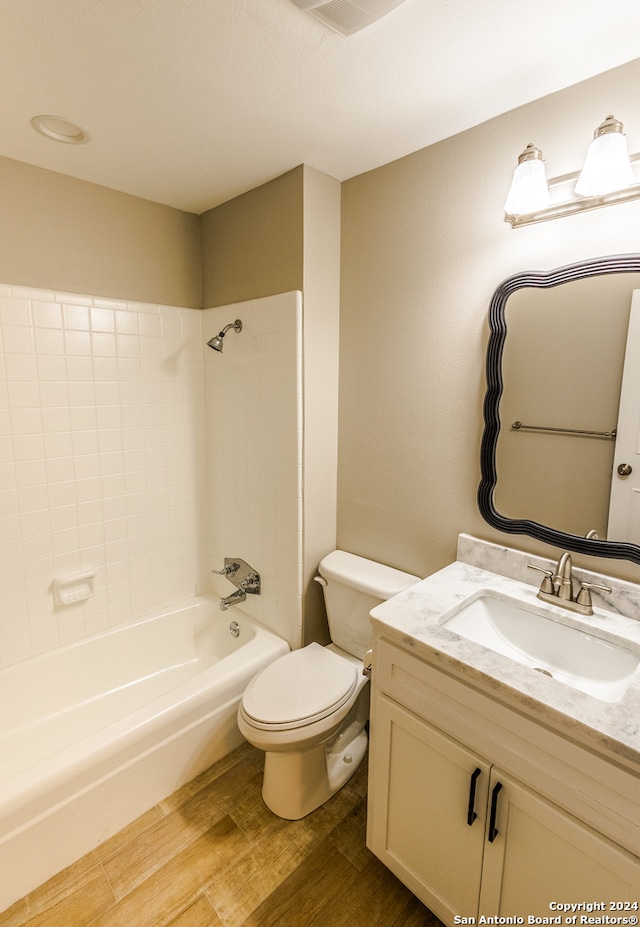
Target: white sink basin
(524,633)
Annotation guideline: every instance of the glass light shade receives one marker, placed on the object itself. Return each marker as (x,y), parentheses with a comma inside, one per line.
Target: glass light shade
(529,191)
(607,167)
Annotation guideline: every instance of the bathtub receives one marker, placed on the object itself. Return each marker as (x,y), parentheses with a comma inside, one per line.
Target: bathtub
(97,732)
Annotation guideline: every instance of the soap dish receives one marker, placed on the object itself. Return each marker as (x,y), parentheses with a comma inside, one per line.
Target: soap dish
(76,587)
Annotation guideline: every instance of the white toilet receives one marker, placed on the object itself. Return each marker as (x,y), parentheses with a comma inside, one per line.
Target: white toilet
(308,709)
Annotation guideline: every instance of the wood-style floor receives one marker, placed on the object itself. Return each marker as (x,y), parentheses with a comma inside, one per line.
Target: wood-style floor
(212,854)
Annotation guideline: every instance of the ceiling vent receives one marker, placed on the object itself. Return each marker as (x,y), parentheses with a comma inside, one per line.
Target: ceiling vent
(348,16)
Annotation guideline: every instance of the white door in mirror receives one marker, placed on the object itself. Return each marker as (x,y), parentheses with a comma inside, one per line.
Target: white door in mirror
(624,505)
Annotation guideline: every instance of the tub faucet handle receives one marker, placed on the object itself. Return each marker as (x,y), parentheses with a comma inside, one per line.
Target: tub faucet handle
(229,569)
(251,582)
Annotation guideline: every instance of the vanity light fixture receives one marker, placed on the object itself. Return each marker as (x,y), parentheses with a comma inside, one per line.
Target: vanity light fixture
(529,191)
(607,166)
(607,178)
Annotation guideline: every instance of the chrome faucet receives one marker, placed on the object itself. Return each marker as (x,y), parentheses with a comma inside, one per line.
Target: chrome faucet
(250,583)
(557,587)
(238,596)
(244,578)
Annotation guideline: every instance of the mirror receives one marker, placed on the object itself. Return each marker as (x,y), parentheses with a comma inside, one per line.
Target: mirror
(548,455)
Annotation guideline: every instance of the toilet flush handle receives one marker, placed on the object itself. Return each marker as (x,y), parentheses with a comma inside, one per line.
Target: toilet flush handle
(321,580)
(368,664)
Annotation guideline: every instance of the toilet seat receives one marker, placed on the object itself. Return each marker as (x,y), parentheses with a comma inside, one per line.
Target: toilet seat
(299,689)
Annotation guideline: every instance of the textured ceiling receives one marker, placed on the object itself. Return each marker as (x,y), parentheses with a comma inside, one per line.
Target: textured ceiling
(191,102)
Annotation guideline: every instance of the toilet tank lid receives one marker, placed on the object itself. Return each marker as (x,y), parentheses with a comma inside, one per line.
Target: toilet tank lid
(366,576)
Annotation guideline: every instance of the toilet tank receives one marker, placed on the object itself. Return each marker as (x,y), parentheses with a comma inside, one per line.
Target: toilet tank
(352,586)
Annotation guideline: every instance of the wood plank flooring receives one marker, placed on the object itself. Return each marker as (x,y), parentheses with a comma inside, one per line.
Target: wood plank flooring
(213,855)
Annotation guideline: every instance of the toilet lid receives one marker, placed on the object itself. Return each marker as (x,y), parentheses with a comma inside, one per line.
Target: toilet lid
(301,687)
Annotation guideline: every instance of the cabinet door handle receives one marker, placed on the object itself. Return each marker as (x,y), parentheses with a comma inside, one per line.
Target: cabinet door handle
(493,830)
(471,814)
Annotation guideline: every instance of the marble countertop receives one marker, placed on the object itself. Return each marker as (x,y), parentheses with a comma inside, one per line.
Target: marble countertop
(414,618)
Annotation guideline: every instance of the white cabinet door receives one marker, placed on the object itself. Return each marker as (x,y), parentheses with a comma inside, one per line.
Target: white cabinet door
(427,810)
(539,855)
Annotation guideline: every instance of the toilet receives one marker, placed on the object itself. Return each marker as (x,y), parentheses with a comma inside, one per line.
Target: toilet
(308,710)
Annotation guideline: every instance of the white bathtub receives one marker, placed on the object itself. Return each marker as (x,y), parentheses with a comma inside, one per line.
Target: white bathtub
(96,733)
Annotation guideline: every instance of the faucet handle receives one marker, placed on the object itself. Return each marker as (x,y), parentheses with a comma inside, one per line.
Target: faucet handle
(228,570)
(584,595)
(251,583)
(547,584)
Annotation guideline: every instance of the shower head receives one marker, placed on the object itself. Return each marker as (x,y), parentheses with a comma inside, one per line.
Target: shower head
(216,342)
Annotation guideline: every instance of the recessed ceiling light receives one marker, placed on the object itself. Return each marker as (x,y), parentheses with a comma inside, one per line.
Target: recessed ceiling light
(60,130)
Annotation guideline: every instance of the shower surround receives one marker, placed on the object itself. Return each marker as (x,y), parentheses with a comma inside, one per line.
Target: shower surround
(253,414)
(128,450)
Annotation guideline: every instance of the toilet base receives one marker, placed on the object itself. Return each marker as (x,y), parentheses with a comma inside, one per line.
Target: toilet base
(296,783)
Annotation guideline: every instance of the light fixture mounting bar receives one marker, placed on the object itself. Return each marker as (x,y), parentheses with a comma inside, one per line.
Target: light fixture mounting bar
(565,203)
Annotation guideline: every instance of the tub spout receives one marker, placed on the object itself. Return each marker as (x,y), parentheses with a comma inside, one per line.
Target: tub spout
(238,596)
(244,578)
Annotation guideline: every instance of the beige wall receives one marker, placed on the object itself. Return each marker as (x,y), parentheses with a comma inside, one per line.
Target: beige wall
(61,233)
(424,245)
(65,234)
(252,246)
(321,354)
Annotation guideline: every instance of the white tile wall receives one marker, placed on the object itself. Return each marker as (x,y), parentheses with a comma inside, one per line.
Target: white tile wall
(102,462)
(109,461)
(254,430)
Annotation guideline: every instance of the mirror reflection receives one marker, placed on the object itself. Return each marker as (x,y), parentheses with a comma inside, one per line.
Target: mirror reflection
(562,410)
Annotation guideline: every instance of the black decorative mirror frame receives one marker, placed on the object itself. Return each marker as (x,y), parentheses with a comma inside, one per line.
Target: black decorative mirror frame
(616,264)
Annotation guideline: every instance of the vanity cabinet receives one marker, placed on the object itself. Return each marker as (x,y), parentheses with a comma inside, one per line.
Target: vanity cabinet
(460,810)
